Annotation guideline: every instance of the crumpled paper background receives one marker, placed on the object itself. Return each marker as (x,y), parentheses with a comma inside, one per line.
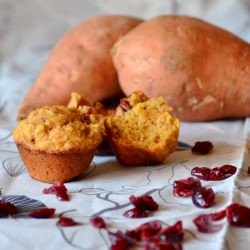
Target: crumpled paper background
(28,31)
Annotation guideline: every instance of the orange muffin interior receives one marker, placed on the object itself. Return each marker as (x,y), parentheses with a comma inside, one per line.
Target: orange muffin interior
(144,123)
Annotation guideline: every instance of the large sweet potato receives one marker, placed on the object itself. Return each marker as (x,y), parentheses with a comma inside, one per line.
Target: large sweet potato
(203,71)
(80,62)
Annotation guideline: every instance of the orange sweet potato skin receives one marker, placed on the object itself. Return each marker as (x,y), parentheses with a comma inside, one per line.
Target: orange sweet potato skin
(202,71)
(80,62)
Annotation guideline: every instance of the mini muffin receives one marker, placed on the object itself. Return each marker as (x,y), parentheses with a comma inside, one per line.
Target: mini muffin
(57,143)
(143,131)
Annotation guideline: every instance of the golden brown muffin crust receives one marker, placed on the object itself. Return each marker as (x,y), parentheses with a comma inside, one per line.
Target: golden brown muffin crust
(58,128)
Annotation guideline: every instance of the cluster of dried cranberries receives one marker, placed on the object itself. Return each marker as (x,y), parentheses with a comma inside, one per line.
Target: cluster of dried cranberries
(59,189)
(151,235)
(142,206)
(191,187)
(9,209)
(214,174)
(236,214)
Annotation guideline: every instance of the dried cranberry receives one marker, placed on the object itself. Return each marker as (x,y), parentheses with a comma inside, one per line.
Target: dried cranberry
(59,190)
(238,215)
(67,222)
(218,215)
(124,104)
(202,147)
(144,202)
(133,234)
(163,246)
(174,233)
(98,222)
(204,223)
(149,229)
(214,174)
(119,241)
(135,213)
(42,213)
(203,197)
(6,208)
(186,187)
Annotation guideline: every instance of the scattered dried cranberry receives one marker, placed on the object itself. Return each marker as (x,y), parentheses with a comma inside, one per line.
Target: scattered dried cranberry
(149,229)
(124,104)
(163,246)
(134,235)
(144,202)
(67,222)
(98,222)
(186,187)
(214,174)
(174,233)
(202,147)
(204,222)
(248,170)
(135,212)
(59,190)
(119,241)
(203,197)
(6,208)
(42,213)
(218,215)
(238,215)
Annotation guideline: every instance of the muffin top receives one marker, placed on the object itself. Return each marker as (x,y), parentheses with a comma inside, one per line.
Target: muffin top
(145,122)
(58,129)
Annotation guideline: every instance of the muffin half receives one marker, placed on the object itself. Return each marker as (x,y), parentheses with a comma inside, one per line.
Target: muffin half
(57,143)
(143,130)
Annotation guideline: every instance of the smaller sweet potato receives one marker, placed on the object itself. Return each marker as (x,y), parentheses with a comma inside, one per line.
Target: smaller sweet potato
(80,62)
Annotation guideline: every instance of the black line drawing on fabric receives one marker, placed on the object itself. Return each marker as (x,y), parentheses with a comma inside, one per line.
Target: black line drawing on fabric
(70,234)
(183,146)
(23,204)
(110,197)
(7,145)
(14,166)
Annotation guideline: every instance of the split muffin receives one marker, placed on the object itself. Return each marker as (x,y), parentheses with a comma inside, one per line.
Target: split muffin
(101,113)
(143,131)
(57,143)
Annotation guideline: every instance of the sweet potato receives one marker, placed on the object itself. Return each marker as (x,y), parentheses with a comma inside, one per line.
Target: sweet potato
(80,62)
(202,71)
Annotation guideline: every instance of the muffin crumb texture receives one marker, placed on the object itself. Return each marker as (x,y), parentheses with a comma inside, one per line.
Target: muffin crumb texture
(145,133)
